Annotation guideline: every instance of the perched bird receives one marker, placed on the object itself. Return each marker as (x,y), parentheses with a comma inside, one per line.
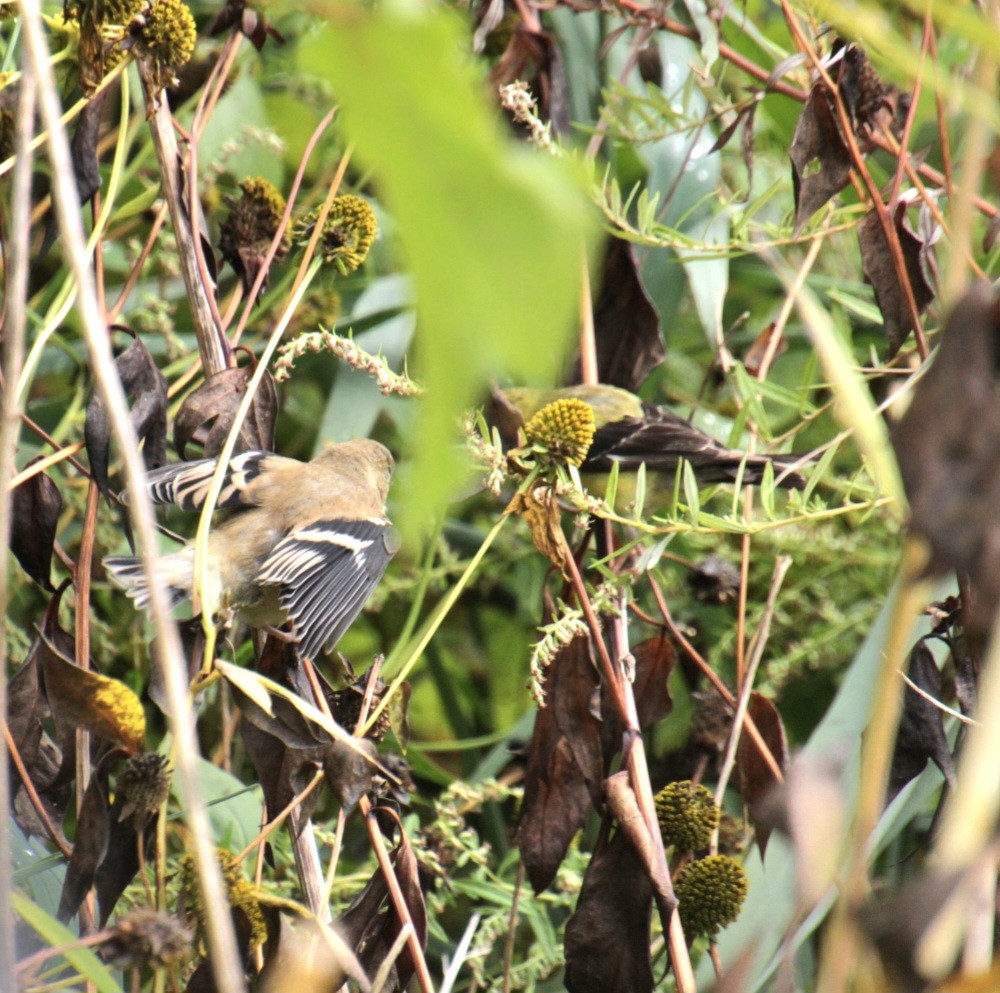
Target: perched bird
(631,432)
(305,541)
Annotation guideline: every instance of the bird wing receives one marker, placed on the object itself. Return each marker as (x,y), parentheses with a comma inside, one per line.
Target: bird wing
(187,483)
(325,573)
(659,438)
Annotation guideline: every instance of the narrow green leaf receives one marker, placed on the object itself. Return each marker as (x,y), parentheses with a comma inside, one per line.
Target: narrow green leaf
(57,935)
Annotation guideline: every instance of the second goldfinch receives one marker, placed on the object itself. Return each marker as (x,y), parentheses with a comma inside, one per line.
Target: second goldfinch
(305,542)
(631,432)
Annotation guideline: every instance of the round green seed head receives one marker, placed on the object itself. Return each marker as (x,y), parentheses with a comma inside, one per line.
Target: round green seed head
(710,893)
(348,233)
(687,815)
(565,428)
(164,32)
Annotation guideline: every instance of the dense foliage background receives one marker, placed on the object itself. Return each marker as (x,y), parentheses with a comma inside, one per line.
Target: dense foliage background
(760,215)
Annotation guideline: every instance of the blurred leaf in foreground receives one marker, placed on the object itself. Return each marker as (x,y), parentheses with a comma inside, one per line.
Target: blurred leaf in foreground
(495,234)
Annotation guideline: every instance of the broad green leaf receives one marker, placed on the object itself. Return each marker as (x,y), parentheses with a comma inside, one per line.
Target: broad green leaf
(494,233)
(234,810)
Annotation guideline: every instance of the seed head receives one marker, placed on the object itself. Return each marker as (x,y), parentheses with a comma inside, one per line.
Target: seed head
(710,893)
(687,815)
(565,428)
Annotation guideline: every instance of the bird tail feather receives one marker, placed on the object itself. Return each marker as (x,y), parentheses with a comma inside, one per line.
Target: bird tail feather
(174,573)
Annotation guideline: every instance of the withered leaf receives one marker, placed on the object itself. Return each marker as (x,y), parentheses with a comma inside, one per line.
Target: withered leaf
(564,770)
(607,938)
(744,121)
(250,23)
(627,332)
(121,864)
(41,757)
(370,926)
(282,771)
(821,160)
(540,511)
(921,734)
(655,659)
(755,777)
(83,147)
(947,443)
(208,413)
(872,104)
(880,270)
(79,698)
(35,508)
(285,722)
(146,387)
(534,56)
(624,807)
(91,843)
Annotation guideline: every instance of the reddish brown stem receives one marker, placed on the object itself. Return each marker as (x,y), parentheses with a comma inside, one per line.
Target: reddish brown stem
(36,800)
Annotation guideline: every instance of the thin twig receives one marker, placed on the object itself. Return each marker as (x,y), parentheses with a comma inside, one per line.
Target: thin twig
(222,942)
(17,264)
(781,566)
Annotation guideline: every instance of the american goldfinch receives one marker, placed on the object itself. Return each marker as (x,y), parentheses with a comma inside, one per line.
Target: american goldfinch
(305,541)
(631,432)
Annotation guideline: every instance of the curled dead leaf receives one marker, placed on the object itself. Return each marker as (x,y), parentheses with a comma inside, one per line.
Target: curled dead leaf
(540,510)
(208,413)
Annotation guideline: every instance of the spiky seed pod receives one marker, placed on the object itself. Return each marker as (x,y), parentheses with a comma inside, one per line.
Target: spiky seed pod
(565,428)
(345,706)
(240,895)
(148,938)
(687,815)
(348,233)
(164,32)
(246,234)
(710,893)
(144,785)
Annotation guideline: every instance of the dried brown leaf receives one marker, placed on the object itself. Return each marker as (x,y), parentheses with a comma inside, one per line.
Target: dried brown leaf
(624,807)
(756,779)
(146,387)
(627,333)
(534,58)
(880,270)
(90,846)
(654,660)
(207,414)
(540,511)
(921,735)
(821,160)
(564,770)
(607,938)
(36,506)
(947,444)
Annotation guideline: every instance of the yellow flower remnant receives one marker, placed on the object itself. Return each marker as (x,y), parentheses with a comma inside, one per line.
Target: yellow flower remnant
(564,428)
